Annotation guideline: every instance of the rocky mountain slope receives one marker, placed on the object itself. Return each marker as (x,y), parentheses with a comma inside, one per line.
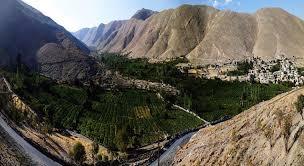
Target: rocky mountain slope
(41,43)
(204,35)
(270,133)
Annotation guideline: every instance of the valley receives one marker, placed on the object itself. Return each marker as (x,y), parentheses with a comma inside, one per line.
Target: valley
(123,120)
(189,85)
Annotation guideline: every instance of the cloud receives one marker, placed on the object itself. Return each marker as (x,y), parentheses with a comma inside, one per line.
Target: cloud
(215,3)
(220,3)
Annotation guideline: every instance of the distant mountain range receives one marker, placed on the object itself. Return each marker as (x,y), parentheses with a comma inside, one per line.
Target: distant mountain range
(203,34)
(41,43)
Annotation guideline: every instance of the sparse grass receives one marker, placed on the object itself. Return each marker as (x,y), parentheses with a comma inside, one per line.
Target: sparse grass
(259,124)
(300,104)
(287,123)
(268,132)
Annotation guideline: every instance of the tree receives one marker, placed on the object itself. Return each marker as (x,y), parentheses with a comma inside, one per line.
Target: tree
(121,140)
(78,153)
(18,61)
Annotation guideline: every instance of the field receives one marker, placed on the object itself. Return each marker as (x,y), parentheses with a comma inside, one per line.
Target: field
(120,119)
(210,99)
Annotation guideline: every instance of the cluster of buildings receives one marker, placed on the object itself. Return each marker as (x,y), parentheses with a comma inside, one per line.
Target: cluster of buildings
(276,71)
(208,71)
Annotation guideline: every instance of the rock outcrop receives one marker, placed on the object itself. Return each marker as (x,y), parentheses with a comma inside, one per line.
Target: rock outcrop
(143,14)
(270,133)
(206,35)
(28,37)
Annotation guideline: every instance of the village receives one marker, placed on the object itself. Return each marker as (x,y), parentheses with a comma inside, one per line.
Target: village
(251,70)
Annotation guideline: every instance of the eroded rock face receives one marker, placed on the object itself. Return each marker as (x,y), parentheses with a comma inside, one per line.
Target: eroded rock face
(206,35)
(270,133)
(64,61)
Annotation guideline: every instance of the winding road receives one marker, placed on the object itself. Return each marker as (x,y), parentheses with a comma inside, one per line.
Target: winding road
(36,156)
(167,157)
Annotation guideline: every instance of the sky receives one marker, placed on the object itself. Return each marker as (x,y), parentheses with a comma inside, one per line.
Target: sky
(77,14)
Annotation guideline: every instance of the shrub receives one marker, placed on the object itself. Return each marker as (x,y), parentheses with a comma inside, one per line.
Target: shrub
(300,104)
(242,69)
(275,68)
(78,153)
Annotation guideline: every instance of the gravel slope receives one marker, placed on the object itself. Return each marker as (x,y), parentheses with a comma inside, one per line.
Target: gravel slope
(11,153)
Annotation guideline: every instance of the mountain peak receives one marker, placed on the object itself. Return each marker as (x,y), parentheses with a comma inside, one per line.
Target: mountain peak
(143,14)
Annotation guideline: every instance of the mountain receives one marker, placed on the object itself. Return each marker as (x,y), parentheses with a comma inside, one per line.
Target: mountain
(41,44)
(206,35)
(143,14)
(97,35)
(104,33)
(270,133)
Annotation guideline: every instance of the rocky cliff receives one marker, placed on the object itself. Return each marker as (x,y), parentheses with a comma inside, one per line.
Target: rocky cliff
(206,35)
(30,37)
(270,133)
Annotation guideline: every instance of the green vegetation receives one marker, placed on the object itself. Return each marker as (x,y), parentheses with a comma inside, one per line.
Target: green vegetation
(94,151)
(276,67)
(301,71)
(129,118)
(242,69)
(211,99)
(78,153)
(141,68)
(300,104)
(119,119)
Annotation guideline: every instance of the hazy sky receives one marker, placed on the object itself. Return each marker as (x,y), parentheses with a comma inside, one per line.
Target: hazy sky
(77,14)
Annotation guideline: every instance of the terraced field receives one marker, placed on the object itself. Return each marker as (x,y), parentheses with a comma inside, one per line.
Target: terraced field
(118,119)
(141,113)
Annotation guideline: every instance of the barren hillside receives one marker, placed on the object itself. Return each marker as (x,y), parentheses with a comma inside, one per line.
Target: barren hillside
(29,37)
(270,133)
(206,35)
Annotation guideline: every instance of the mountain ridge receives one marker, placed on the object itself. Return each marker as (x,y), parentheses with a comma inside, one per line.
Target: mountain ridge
(206,35)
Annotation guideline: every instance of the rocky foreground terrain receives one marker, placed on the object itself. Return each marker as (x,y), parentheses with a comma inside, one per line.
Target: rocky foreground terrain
(203,34)
(10,153)
(270,133)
